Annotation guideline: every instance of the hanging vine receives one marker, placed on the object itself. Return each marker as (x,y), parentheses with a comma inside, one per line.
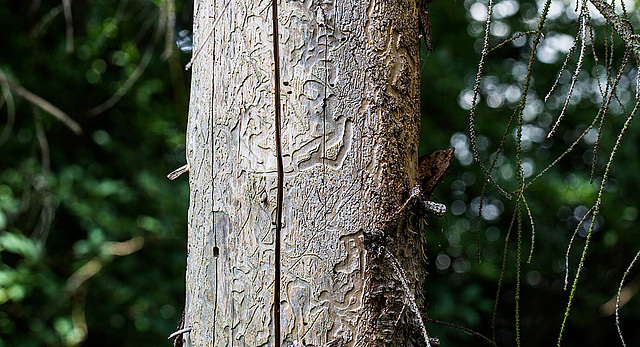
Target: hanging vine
(584,37)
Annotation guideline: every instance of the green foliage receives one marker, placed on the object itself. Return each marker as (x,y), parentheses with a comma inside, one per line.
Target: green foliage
(92,234)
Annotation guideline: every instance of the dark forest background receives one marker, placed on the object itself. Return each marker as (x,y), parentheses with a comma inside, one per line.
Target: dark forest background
(93,235)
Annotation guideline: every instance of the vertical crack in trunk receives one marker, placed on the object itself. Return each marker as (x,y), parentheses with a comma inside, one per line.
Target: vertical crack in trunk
(276,289)
(213,180)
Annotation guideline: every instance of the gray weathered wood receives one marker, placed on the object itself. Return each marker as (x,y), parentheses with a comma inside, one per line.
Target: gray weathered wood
(350,93)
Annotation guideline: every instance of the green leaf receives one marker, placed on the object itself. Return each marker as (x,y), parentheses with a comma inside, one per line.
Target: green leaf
(18,244)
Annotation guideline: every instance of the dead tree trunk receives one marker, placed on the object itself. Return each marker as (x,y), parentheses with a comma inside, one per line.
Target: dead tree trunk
(351,269)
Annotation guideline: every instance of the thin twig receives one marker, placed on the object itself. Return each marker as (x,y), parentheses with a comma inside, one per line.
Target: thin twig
(7,98)
(460,327)
(512,38)
(142,66)
(619,295)
(178,172)
(621,25)
(583,28)
(44,146)
(66,6)
(566,257)
(215,22)
(475,100)
(410,298)
(43,104)
(603,109)
(93,266)
(42,228)
(595,214)
(533,228)
(179,332)
(117,17)
(170,14)
(564,64)
(44,22)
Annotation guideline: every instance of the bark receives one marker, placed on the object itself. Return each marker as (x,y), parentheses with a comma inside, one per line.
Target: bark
(351,268)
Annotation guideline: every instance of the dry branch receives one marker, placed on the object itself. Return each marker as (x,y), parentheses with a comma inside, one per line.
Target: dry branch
(621,25)
(43,104)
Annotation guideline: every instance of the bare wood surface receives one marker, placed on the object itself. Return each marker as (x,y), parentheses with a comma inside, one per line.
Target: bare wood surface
(350,119)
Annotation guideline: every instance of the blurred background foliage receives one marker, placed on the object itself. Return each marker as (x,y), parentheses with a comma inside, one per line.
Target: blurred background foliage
(92,234)
(92,241)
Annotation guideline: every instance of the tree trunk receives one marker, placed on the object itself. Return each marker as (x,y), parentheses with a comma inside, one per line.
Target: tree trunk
(351,269)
